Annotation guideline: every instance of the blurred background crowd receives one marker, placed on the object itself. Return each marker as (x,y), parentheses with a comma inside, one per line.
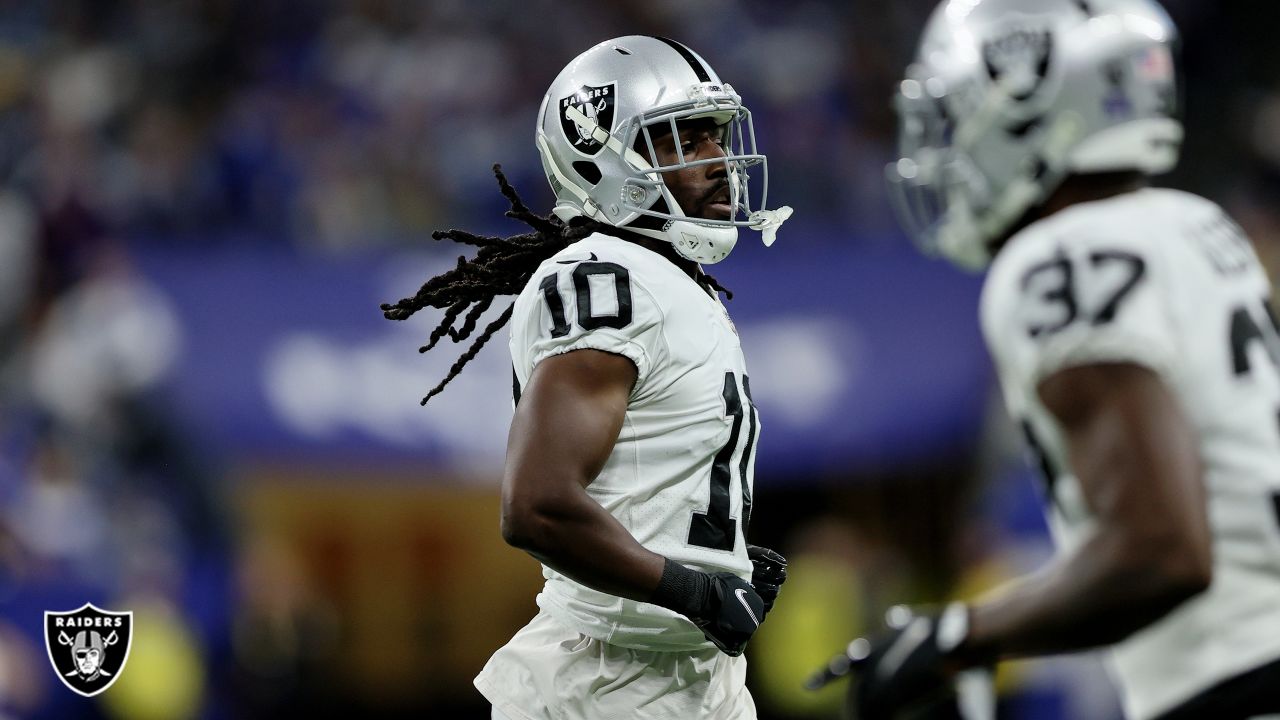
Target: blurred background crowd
(204,418)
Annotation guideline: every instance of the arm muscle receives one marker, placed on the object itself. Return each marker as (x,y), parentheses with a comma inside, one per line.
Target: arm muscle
(1134,453)
(564,429)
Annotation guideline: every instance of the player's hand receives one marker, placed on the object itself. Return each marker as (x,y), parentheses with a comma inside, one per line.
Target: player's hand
(768,572)
(908,667)
(732,612)
(904,667)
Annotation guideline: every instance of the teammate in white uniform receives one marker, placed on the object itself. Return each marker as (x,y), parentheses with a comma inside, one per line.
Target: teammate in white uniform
(679,475)
(631,453)
(1134,342)
(1168,300)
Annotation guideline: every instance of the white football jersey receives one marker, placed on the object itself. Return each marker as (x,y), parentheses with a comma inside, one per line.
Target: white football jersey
(680,475)
(1166,280)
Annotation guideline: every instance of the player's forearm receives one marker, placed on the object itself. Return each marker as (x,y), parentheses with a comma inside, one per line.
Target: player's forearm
(577,537)
(1110,588)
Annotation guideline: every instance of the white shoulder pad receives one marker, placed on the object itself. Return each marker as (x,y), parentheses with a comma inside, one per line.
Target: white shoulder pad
(589,296)
(1085,291)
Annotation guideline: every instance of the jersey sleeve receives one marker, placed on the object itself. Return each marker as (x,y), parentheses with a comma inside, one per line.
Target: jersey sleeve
(596,305)
(1052,304)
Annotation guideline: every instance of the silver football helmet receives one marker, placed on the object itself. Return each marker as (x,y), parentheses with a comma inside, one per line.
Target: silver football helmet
(1007,98)
(606,103)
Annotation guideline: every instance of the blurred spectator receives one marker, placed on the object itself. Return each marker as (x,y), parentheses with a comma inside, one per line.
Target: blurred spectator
(284,636)
(337,126)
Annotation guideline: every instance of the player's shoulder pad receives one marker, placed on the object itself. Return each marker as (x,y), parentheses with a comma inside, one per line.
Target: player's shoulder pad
(594,294)
(1125,230)
(649,272)
(1083,284)
(599,247)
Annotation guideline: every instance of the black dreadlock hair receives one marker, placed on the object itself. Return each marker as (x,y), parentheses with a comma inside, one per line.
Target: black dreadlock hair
(502,266)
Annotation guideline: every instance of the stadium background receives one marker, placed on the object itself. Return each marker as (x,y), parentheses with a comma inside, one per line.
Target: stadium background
(205,419)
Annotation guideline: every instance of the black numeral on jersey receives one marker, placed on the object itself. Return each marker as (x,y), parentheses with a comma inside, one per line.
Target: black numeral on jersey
(1062,288)
(1136,268)
(1246,330)
(748,453)
(1062,292)
(588,319)
(1275,505)
(559,326)
(715,528)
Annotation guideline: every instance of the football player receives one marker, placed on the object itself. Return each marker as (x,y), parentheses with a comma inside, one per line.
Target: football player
(1134,343)
(631,454)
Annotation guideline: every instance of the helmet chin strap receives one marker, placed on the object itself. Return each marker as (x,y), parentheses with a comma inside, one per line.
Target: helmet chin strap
(708,244)
(963,237)
(604,137)
(589,207)
(693,240)
(1029,188)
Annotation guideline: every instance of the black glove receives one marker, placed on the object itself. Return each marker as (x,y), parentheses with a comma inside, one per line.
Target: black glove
(724,606)
(909,667)
(769,571)
(732,614)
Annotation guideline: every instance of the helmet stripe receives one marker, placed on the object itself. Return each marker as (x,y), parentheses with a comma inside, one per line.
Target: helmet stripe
(689,57)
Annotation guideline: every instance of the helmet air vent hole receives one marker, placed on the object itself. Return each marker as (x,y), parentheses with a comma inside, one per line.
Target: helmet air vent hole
(622,50)
(588,171)
(1021,130)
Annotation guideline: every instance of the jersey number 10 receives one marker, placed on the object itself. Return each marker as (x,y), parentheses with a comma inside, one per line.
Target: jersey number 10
(715,528)
(588,318)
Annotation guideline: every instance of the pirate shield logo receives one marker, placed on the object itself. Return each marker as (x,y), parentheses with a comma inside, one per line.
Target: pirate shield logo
(88,647)
(595,104)
(1019,60)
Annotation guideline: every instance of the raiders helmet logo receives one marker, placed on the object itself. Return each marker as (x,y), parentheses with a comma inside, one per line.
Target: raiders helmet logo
(1019,61)
(88,647)
(596,103)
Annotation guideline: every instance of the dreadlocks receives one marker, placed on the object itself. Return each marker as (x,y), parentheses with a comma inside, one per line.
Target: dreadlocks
(500,267)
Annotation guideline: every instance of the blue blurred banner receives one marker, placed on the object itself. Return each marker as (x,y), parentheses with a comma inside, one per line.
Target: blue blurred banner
(861,359)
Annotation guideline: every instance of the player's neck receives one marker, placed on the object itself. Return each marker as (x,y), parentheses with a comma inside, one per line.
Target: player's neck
(660,247)
(1074,190)
(664,249)
(1078,189)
